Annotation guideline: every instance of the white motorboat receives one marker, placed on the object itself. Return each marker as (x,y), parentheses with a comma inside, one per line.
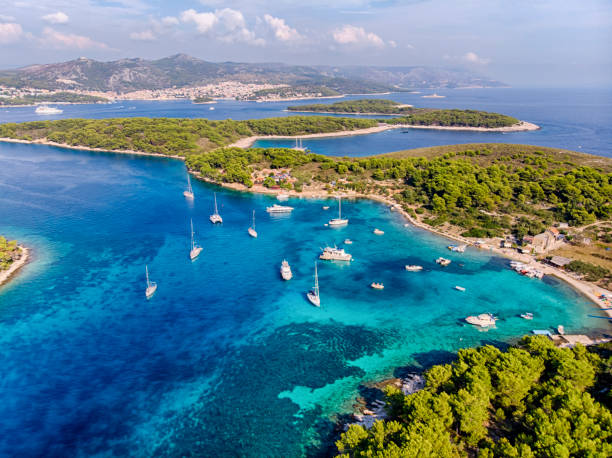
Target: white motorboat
(443,261)
(459,288)
(189,192)
(413,268)
(216,217)
(195,249)
(483,320)
(313,295)
(47,110)
(378,232)
(252,232)
(375,285)
(285,270)
(339,221)
(348,242)
(151,285)
(335,254)
(279,209)
(527,316)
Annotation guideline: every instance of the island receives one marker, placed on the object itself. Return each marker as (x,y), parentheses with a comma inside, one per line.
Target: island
(411,116)
(202,100)
(54,97)
(534,399)
(12,258)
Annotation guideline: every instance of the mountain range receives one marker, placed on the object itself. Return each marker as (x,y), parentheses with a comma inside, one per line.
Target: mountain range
(181,70)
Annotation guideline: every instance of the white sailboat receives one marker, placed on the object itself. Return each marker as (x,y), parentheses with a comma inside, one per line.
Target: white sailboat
(216,217)
(337,222)
(252,231)
(298,145)
(189,193)
(151,285)
(313,295)
(195,249)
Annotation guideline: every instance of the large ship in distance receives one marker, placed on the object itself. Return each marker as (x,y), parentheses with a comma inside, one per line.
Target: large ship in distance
(47,110)
(279,209)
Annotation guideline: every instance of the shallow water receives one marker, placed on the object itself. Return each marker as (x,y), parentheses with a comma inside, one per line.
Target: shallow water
(226,359)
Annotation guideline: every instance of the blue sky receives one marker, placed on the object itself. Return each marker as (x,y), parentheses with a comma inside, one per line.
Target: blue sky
(525,43)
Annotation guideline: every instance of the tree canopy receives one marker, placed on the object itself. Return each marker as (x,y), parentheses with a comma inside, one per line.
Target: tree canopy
(533,400)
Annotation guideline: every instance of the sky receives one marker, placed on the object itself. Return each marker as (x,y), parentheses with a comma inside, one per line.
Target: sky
(537,43)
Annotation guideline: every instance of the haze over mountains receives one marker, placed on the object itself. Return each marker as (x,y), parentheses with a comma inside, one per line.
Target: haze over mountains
(181,70)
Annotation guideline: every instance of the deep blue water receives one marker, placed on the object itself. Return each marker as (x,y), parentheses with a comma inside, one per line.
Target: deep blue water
(576,119)
(225,359)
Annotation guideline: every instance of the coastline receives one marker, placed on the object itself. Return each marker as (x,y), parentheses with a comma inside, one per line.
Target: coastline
(589,291)
(6,275)
(247,142)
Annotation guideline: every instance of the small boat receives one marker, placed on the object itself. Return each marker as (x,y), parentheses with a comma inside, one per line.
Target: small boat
(561,329)
(459,288)
(375,285)
(337,222)
(211,108)
(433,96)
(413,268)
(279,209)
(378,232)
(527,316)
(195,249)
(151,285)
(457,248)
(285,270)
(443,261)
(47,110)
(335,254)
(282,196)
(252,232)
(483,320)
(313,294)
(348,242)
(325,207)
(216,217)
(189,192)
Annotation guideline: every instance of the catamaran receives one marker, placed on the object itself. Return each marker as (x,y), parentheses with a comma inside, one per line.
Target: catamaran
(252,231)
(336,222)
(195,249)
(189,192)
(313,295)
(151,285)
(298,145)
(216,217)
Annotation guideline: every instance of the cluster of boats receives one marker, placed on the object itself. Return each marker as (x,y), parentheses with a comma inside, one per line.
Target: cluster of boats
(526,270)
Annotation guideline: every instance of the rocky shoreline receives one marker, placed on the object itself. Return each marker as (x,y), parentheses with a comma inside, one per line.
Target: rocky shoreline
(6,275)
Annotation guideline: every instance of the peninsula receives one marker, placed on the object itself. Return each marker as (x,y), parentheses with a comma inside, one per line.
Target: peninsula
(12,258)
(533,399)
(62,97)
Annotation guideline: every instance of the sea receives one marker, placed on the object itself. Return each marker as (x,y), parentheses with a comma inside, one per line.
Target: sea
(226,359)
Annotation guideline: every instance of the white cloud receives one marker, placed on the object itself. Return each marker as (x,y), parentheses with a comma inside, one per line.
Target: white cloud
(473,58)
(392,43)
(227,25)
(203,21)
(145,35)
(10,32)
(68,40)
(170,20)
(56,18)
(351,35)
(281,30)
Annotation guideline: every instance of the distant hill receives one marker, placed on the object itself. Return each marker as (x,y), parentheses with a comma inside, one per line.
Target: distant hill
(181,70)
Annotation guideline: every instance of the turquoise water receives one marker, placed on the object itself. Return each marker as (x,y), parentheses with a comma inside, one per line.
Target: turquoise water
(225,359)
(576,119)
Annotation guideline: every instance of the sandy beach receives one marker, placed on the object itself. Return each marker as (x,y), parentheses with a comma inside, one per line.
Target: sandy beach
(247,142)
(5,275)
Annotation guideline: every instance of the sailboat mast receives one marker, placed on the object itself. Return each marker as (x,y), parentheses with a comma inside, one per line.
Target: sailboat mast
(147,271)
(188,182)
(316,281)
(216,211)
(253,219)
(340,208)
(192,242)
